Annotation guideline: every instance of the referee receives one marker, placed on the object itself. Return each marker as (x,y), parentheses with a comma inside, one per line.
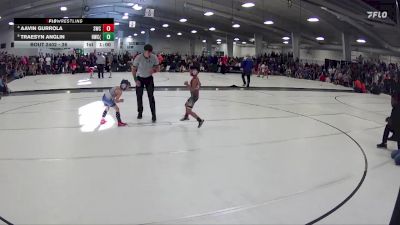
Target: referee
(144,65)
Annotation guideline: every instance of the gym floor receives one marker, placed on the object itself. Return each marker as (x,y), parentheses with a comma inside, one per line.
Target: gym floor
(261,157)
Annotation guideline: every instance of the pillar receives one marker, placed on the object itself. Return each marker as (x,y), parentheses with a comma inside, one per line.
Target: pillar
(229,46)
(346,47)
(295,45)
(258,38)
(147,37)
(209,46)
(192,45)
(118,46)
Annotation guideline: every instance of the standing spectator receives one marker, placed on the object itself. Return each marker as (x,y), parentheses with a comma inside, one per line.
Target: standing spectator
(73,66)
(100,61)
(224,63)
(393,124)
(48,64)
(108,64)
(247,66)
(114,64)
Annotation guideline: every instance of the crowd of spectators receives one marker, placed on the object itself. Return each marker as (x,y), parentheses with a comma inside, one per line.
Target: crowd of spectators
(363,76)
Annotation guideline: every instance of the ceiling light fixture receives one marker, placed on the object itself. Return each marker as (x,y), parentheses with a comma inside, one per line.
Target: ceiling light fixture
(63,8)
(320,38)
(286,38)
(142,32)
(183,20)
(244,42)
(204,41)
(168,36)
(361,41)
(285,42)
(11,23)
(137,7)
(116,24)
(211,29)
(130,36)
(218,40)
(193,31)
(236,39)
(236,25)
(208,13)
(248,5)
(152,29)
(313,19)
(179,34)
(268,22)
(165,25)
(135,34)
(125,17)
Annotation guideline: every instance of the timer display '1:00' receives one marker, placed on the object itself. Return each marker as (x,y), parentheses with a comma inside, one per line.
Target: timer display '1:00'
(104,44)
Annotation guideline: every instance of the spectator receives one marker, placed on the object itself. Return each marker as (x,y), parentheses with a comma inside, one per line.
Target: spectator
(393,124)
(100,61)
(247,66)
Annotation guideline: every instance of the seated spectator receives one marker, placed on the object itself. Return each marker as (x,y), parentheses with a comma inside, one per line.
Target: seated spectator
(3,85)
(363,88)
(375,89)
(322,77)
(73,66)
(358,86)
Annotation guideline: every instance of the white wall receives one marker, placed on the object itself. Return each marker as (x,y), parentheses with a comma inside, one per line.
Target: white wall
(247,50)
(319,56)
(220,48)
(243,51)
(163,44)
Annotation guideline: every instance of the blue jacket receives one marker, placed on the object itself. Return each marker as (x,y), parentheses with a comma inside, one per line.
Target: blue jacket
(247,65)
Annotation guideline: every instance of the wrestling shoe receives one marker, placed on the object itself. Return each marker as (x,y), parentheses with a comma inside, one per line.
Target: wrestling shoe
(122,124)
(139,116)
(200,123)
(153,119)
(382,145)
(184,118)
(103,121)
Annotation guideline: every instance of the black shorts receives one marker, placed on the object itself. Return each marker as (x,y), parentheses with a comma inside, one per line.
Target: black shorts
(191,101)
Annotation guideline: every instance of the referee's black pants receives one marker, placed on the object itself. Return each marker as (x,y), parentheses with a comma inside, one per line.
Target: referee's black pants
(147,83)
(100,70)
(248,78)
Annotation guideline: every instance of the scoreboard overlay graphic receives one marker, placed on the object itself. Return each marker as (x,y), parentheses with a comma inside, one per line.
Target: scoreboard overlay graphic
(64,33)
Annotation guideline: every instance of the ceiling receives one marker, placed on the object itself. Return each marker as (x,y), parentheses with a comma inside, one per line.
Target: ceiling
(335,17)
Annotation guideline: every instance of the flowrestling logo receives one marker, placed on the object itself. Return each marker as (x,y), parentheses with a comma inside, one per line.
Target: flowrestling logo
(377,14)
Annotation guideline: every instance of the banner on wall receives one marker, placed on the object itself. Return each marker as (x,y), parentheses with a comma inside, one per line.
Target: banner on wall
(132,24)
(149,13)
